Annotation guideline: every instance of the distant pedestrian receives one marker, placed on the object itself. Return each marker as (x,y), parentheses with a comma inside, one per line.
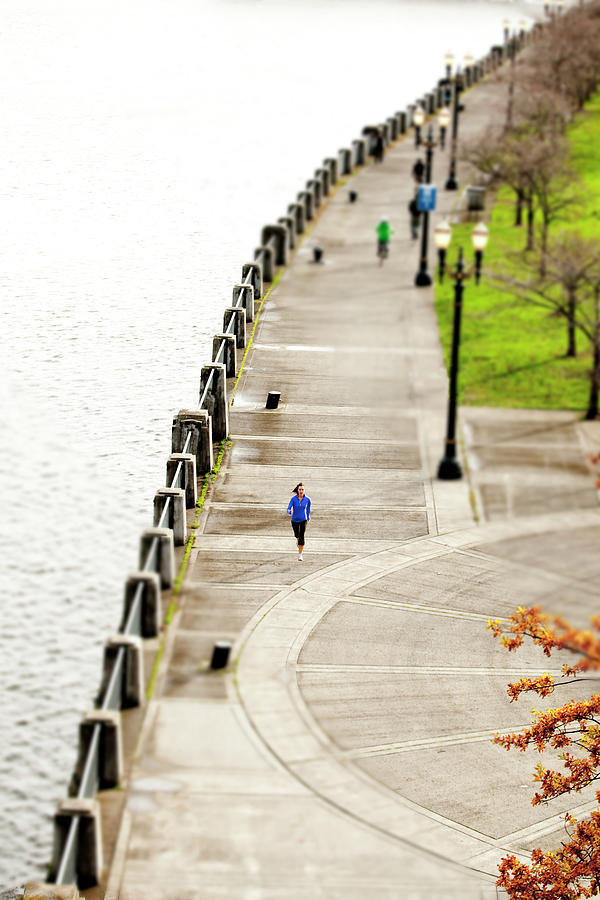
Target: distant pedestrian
(415,217)
(384,232)
(379,147)
(299,509)
(418,171)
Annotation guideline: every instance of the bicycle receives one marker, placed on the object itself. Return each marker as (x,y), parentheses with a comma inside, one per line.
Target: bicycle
(383,249)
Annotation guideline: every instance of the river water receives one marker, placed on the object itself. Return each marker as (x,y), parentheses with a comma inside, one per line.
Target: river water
(145,144)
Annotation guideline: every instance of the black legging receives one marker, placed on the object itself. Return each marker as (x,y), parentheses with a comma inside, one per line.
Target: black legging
(299,528)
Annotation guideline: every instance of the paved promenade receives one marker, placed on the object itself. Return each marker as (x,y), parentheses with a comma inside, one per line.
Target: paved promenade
(346,753)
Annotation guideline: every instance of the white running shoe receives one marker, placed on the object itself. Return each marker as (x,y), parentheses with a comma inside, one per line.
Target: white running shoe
(300,558)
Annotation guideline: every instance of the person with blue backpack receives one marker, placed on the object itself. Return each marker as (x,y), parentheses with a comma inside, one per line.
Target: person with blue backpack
(299,509)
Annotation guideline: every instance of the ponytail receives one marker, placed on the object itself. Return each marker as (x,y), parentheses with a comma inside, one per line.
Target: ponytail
(299,485)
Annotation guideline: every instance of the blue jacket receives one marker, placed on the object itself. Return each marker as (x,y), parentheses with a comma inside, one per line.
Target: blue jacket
(300,509)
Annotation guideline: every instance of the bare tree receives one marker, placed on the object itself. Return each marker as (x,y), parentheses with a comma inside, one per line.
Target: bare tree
(570,288)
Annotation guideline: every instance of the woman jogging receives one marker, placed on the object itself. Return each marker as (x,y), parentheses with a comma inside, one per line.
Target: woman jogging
(299,508)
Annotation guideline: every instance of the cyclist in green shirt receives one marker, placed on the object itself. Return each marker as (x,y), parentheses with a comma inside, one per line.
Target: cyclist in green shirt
(384,232)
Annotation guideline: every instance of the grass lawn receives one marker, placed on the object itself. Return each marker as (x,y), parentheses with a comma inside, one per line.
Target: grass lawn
(512,353)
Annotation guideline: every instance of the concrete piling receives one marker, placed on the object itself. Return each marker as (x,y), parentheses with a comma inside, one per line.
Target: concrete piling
(163,559)
(290,226)
(89,855)
(402,124)
(345,161)
(238,314)
(130,690)
(228,354)
(216,399)
(306,199)
(392,124)
(186,463)
(322,175)
(253,269)
(110,749)
(314,187)
(359,146)
(243,296)
(331,165)
(150,613)
(198,424)
(296,211)
(176,518)
(277,237)
(266,257)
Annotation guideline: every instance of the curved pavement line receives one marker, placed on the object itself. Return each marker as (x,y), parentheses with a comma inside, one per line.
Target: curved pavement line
(266,687)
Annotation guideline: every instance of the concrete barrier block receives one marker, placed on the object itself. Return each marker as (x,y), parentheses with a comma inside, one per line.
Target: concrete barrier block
(290,225)
(314,187)
(110,749)
(176,518)
(150,612)
(296,212)
(243,296)
(266,257)
(345,154)
(392,126)
(306,199)
(331,165)
(216,398)
(238,315)
(128,692)
(359,146)
(198,425)
(162,560)
(322,176)
(276,236)
(224,349)
(252,274)
(181,473)
(402,122)
(89,855)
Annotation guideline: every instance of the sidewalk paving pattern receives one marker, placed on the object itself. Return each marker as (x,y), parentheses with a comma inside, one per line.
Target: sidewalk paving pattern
(348,753)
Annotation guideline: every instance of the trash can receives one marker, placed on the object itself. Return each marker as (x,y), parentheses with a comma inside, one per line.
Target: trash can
(475,198)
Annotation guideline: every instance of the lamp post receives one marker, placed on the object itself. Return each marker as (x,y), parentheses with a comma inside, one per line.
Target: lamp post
(443,122)
(452,183)
(449,467)
(418,120)
(423,278)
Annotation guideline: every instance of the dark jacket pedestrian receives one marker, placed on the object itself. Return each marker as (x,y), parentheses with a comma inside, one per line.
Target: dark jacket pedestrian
(415,217)
(418,171)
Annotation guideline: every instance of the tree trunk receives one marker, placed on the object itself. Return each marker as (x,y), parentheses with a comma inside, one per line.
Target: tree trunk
(544,247)
(519,208)
(530,214)
(571,348)
(592,410)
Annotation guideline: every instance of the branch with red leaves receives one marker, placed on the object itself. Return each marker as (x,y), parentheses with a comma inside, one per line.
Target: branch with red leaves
(573,870)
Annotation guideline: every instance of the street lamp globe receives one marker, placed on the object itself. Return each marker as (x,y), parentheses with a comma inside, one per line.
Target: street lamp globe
(442,234)
(449,59)
(480,236)
(419,116)
(444,116)
(506,24)
(468,59)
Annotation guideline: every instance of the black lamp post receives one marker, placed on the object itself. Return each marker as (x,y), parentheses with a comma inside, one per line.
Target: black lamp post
(423,278)
(452,183)
(449,467)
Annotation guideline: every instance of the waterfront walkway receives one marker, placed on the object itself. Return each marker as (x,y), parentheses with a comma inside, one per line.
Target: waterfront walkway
(346,752)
